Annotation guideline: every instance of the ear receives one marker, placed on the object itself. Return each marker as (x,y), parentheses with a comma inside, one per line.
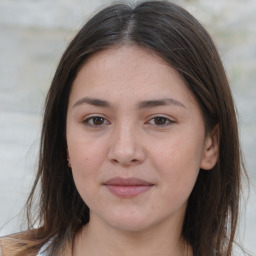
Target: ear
(68,159)
(211,149)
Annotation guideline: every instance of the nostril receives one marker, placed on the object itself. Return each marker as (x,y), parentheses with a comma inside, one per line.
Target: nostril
(132,161)
(126,153)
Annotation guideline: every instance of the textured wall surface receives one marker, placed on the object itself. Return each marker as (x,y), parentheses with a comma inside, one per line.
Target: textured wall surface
(33,36)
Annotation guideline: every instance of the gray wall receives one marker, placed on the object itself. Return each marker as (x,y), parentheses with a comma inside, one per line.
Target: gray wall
(33,36)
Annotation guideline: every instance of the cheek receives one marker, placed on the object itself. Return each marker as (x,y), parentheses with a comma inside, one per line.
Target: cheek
(85,163)
(178,165)
(85,153)
(182,154)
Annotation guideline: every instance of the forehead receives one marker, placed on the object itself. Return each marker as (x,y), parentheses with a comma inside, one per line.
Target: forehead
(129,73)
(130,58)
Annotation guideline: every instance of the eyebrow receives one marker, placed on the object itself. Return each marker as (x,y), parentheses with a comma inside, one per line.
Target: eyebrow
(141,105)
(159,102)
(93,102)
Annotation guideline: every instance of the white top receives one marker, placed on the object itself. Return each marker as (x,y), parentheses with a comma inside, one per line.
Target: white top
(41,253)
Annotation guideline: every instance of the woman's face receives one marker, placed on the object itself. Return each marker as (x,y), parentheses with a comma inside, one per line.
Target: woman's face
(136,139)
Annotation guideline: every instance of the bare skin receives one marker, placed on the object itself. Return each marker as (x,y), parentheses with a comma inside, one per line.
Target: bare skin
(132,118)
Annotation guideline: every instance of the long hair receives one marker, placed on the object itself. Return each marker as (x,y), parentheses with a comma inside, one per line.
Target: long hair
(179,39)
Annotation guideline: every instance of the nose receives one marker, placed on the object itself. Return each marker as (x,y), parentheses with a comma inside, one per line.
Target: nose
(126,147)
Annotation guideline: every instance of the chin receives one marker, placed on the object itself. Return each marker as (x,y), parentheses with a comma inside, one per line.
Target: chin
(129,223)
(130,227)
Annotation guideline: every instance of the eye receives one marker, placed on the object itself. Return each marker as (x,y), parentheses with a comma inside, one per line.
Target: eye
(96,121)
(160,121)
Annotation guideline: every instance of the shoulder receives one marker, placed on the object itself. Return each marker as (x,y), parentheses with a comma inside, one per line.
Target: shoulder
(1,251)
(17,244)
(6,245)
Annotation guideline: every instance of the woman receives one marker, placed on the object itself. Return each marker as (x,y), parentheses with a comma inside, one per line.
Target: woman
(139,150)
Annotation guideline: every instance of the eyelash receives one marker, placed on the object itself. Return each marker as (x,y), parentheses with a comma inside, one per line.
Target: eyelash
(166,120)
(93,118)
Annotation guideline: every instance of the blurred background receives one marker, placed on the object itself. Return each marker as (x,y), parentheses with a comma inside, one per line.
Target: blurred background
(34,33)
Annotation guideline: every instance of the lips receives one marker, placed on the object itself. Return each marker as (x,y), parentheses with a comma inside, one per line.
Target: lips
(127,187)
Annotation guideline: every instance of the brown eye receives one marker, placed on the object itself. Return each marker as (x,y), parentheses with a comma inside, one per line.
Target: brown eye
(160,121)
(95,121)
(98,120)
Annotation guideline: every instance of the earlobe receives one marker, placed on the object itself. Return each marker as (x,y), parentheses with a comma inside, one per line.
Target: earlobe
(68,159)
(211,149)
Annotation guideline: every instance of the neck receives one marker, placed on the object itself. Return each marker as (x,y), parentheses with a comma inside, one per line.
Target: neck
(162,240)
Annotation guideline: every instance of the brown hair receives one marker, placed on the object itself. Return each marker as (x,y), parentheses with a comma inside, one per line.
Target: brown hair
(178,38)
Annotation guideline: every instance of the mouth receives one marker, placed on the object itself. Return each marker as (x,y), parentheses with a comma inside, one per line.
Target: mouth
(127,187)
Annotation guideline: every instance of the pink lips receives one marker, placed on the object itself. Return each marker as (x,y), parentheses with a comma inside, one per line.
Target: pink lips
(127,187)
